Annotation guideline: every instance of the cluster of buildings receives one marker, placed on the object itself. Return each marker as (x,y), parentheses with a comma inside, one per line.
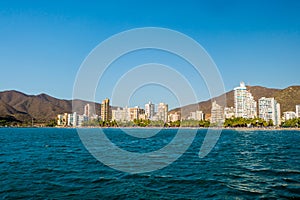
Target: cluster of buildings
(75,119)
(291,114)
(136,113)
(246,107)
(152,112)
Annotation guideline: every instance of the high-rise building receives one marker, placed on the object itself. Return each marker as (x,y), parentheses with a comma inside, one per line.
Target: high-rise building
(269,109)
(76,120)
(229,112)
(197,115)
(173,117)
(72,119)
(62,120)
(87,110)
(298,111)
(278,114)
(244,103)
(149,110)
(59,120)
(105,110)
(162,112)
(121,114)
(117,115)
(217,114)
(134,113)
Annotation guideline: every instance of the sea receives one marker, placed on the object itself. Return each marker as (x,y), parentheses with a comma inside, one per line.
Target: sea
(54,163)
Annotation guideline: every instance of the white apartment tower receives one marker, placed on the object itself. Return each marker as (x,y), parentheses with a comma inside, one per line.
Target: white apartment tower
(197,115)
(217,114)
(298,111)
(121,114)
(87,110)
(244,103)
(269,109)
(149,110)
(162,112)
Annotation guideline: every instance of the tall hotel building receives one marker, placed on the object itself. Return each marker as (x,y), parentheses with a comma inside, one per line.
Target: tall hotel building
(269,109)
(217,114)
(105,110)
(244,103)
(87,110)
(149,110)
(162,111)
(298,111)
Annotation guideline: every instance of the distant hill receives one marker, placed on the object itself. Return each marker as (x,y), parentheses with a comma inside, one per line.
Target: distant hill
(20,107)
(42,108)
(288,99)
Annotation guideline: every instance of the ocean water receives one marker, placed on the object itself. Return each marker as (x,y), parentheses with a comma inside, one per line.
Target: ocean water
(53,163)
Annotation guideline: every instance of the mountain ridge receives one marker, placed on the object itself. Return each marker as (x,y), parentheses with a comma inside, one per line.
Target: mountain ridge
(288,98)
(43,107)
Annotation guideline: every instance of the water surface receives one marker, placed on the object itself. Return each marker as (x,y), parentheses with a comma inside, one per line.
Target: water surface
(51,163)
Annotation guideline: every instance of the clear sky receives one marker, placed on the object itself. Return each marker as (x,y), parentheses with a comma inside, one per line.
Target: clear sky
(43,43)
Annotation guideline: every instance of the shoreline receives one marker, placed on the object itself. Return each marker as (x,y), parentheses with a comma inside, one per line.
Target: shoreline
(199,128)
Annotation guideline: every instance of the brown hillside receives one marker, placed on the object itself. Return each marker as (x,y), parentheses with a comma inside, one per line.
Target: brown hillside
(288,99)
(41,107)
(22,107)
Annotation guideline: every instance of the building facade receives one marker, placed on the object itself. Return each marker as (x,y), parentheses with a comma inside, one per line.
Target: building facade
(118,115)
(72,119)
(105,110)
(244,103)
(134,113)
(297,110)
(269,109)
(87,110)
(173,117)
(149,110)
(197,115)
(229,112)
(217,114)
(289,115)
(162,112)
(62,119)
(76,120)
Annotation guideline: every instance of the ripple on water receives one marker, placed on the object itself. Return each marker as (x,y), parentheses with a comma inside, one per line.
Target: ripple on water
(53,164)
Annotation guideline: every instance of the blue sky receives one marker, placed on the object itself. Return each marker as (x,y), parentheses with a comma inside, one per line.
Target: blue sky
(43,43)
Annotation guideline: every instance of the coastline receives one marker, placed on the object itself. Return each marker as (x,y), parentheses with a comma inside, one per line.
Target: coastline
(141,128)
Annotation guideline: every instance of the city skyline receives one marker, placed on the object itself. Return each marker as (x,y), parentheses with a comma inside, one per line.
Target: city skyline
(268,110)
(44,43)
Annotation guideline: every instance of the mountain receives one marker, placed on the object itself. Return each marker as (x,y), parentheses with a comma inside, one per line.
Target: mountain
(20,107)
(42,108)
(288,99)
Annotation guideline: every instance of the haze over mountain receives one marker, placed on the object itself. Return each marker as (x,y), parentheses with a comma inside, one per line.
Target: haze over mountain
(20,107)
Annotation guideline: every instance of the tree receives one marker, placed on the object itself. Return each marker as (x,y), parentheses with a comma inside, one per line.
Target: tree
(270,122)
(204,123)
(52,123)
(291,123)
(242,122)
